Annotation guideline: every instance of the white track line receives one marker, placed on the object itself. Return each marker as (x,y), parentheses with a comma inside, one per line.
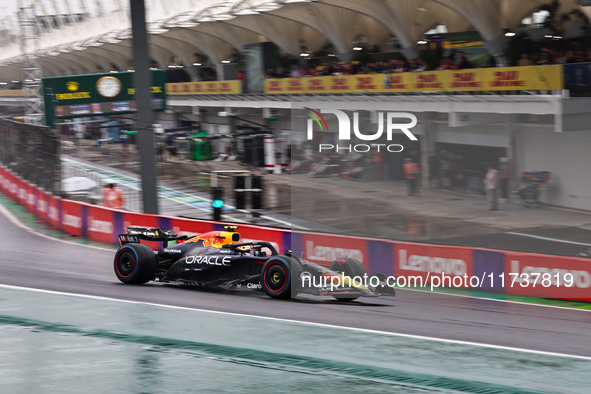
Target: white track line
(550,239)
(323,325)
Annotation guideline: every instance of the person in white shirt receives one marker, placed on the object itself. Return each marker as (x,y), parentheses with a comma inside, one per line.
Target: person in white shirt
(491,181)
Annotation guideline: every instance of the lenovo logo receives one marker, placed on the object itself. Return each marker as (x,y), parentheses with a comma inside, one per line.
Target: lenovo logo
(431,264)
(329,254)
(559,277)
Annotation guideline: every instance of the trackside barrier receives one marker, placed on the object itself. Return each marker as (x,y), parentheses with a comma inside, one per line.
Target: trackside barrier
(526,274)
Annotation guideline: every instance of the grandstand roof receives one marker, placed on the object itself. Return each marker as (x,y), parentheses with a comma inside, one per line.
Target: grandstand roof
(79,36)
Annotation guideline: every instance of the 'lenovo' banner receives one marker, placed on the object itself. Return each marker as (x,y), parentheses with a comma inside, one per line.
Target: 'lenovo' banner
(72,218)
(324,249)
(426,261)
(547,276)
(101,224)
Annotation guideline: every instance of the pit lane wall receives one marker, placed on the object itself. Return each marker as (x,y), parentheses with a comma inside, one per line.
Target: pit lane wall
(497,271)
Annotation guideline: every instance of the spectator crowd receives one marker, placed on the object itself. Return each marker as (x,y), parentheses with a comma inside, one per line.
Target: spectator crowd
(545,55)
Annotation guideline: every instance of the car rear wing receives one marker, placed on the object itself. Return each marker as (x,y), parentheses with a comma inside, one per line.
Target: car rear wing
(135,234)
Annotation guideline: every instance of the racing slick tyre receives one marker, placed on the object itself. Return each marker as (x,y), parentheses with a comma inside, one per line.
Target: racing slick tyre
(351,268)
(135,263)
(277,274)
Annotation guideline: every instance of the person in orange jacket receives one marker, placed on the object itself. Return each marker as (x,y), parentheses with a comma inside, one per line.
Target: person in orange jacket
(112,196)
(411,174)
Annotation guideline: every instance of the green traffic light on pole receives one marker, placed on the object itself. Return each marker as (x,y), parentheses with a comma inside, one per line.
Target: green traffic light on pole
(217,203)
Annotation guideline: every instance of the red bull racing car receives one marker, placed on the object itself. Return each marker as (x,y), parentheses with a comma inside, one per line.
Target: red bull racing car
(218,259)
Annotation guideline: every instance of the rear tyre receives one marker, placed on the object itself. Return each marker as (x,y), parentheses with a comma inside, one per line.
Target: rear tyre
(276,276)
(351,268)
(135,263)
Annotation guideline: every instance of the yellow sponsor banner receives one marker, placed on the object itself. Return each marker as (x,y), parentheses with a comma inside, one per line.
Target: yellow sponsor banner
(399,82)
(483,79)
(450,44)
(366,83)
(11,93)
(213,87)
(318,84)
(327,84)
(285,86)
(506,78)
(525,78)
(340,84)
(464,80)
(426,81)
(274,86)
(295,85)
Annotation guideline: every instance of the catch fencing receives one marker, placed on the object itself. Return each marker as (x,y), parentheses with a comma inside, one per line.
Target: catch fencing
(32,152)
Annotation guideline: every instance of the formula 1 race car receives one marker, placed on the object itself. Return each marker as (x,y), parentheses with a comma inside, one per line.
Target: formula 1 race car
(217,259)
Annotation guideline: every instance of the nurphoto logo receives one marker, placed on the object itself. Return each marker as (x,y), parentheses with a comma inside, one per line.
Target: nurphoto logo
(387,122)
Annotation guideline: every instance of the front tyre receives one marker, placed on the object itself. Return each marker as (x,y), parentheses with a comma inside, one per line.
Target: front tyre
(135,263)
(351,268)
(276,278)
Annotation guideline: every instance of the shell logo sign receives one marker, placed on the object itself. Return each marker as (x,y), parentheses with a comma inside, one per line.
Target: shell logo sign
(72,86)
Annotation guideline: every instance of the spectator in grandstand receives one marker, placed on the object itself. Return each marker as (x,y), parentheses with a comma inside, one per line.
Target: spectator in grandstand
(365,69)
(568,57)
(400,66)
(525,60)
(560,57)
(461,62)
(446,64)
(348,68)
(545,57)
(338,69)
(296,72)
(243,83)
(418,65)
(579,57)
(311,72)
(411,174)
(112,195)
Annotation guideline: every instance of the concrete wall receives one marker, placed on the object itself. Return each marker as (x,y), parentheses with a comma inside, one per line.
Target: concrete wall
(493,135)
(567,155)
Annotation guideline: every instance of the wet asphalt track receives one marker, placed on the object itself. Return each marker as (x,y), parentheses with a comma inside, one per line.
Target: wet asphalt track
(30,260)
